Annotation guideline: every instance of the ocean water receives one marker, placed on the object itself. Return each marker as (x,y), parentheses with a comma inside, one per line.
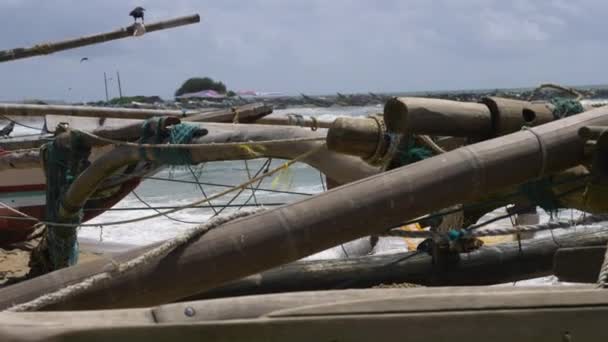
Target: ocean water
(300,179)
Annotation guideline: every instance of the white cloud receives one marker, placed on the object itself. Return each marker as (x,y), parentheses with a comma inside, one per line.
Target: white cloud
(308,45)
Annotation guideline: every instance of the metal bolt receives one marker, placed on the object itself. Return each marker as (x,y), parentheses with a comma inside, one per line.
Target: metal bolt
(189,311)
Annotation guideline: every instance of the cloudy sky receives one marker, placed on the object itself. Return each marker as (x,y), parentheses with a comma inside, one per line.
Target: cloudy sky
(309,46)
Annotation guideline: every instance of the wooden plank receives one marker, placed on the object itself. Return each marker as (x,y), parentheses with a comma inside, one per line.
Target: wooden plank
(439,314)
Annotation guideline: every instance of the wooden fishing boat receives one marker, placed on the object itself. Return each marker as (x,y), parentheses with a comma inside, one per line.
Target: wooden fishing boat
(380,182)
(22,178)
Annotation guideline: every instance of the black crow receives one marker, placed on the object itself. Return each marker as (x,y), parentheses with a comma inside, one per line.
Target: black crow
(7,130)
(138,12)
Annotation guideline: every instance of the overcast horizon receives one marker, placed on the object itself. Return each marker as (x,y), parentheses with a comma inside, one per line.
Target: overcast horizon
(306,46)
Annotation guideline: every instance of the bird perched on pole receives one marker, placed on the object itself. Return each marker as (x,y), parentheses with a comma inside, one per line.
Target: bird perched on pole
(7,130)
(138,12)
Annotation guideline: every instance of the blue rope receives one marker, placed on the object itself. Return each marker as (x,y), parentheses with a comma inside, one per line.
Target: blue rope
(565,107)
(539,192)
(62,166)
(178,134)
(409,152)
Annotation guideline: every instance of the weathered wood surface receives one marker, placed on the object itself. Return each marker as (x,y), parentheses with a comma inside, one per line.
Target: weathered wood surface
(126,32)
(369,206)
(356,136)
(242,114)
(489,265)
(493,117)
(510,115)
(295,120)
(438,117)
(579,264)
(18,109)
(20,160)
(432,314)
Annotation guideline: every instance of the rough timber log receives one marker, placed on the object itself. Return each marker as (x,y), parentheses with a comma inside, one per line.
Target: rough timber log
(48,48)
(499,314)
(259,242)
(502,263)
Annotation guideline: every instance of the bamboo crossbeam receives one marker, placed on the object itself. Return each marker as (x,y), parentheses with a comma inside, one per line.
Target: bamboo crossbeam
(125,32)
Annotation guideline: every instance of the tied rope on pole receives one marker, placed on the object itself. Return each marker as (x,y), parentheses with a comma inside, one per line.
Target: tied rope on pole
(186,206)
(602,280)
(509,230)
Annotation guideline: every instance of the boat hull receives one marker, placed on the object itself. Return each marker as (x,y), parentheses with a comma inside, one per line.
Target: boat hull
(25,191)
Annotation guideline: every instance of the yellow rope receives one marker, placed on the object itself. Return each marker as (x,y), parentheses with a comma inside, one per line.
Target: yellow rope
(244,185)
(259,144)
(235,118)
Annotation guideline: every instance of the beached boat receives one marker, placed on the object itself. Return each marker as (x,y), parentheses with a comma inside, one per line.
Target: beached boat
(386,172)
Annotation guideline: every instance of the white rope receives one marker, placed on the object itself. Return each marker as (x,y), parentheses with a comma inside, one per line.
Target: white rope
(509,230)
(119,269)
(543,150)
(602,280)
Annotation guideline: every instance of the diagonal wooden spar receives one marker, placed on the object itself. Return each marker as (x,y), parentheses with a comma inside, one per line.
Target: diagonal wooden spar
(246,113)
(125,32)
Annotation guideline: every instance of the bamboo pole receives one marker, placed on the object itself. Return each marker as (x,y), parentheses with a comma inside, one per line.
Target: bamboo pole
(502,263)
(247,113)
(493,117)
(125,32)
(295,120)
(438,117)
(84,111)
(342,168)
(370,206)
(242,114)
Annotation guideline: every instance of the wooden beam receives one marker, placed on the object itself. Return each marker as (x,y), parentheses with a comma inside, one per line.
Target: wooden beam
(489,265)
(125,32)
(418,315)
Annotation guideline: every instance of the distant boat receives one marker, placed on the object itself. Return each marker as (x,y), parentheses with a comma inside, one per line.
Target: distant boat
(209,94)
(254,93)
